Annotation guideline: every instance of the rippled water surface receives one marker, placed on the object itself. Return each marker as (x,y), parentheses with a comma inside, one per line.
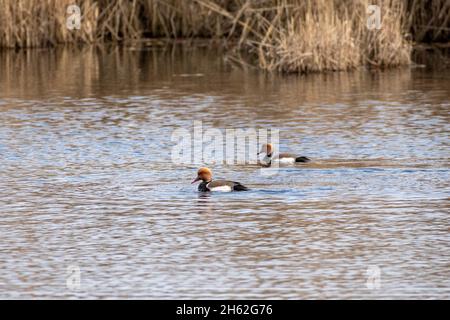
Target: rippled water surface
(87,182)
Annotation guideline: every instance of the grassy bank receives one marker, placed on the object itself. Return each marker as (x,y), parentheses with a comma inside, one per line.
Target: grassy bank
(282,35)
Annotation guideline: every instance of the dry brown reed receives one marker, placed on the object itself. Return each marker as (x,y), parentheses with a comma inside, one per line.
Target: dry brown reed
(283,35)
(429,21)
(320,35)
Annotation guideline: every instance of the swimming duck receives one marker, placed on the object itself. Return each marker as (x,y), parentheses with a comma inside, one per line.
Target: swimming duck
(205,175)
(267,149)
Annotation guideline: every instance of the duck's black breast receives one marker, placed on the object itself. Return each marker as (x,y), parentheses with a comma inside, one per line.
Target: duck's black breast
(203,186)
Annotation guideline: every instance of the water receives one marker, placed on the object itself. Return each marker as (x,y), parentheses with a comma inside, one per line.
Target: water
(88,187)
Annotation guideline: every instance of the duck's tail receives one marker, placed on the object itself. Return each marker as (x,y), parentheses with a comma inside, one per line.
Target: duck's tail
(239,187)
(302,159)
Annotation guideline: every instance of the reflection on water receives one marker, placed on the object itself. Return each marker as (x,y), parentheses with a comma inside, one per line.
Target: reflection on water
(86,179)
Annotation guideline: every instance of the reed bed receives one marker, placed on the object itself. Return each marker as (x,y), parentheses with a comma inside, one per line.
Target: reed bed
(429,21)
(304,36)
(277,35)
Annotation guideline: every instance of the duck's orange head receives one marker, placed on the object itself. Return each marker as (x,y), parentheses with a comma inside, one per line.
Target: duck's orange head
(203,174)
(266,148)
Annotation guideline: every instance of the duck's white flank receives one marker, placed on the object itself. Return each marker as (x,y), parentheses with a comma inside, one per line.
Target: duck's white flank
(285,160)
(221,188)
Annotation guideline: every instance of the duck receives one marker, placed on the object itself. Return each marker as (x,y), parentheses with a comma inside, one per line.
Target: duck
(205,175)
(268,149)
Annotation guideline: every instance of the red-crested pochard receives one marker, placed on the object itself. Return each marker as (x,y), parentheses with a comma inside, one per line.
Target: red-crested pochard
(268,149)
(205,175)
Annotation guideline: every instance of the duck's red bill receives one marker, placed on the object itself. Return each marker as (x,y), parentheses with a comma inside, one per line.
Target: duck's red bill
(195,180)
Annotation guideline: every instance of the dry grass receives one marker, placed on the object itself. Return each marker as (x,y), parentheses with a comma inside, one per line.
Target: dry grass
(320,35)
(429,20)
(283,35)
(37,23)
